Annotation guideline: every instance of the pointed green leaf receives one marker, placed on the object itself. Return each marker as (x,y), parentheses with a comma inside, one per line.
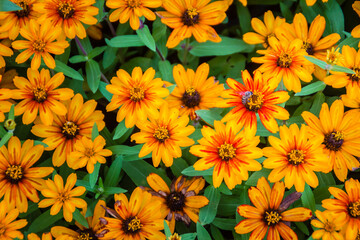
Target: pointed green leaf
(208,212)
(80,218)
(146,37)
(202,234)
(125,41)
(93,74)
(67,71)
(311,88)
(112,177)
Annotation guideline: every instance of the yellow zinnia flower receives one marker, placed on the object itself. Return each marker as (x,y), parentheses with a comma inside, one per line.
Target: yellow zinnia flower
(284,60)
(329,224)
(264,30)
(164,135)
(132,10)
(194,90)
(66,131)
(18,177)
(40,95)
(45,236)
(192,18)
(68,15)
(4,51)
(59,196)
(5,105)
(295,157)
(356,31)
(8,227)
(229,151)
(87,153)
(40,43)
(268,213)
(136,218)
(138,95)
(352,103)
(181,200)
(339,132)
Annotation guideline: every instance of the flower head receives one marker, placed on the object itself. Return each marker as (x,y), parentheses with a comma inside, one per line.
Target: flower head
(138,95)
(40,43)
(181,201)
(66,197)
(5,105)
(229,151)
(339,133)
(8,227)
(45,236)
(194,90)
(4,51)
(18,177)
(40,96)
(192,18)
(329,225)
(256,96)
(356,31)
(268,213)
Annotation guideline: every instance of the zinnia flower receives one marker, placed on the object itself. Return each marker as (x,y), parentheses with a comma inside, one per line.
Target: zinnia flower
(40,95)
(4,51)
(346,207)
(57,196)
(179,202)
(352,103)
(194,90)
(132,10)
(329,224)
(284,60)
(87,153)
(45,236)
(19,180)
(5,105)
(8,227)
(263,30)
(268,213)
(229,151)
(68,15)
(164,135)
(136,218)
(295,157)
(40,43)
(339,133)
(192,18)
(138,96)
(66,131)
(356,31)
(257,96)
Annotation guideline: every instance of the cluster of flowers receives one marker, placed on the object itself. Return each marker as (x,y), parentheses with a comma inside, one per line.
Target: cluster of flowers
(65,122)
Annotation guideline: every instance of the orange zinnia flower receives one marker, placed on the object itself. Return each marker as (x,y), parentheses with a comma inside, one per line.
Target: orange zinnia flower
(284,60)
(67,130)
(69,15)
(5,105)
(40,43)
(4,51)
(329,224)
(138,96)
(257,96)
(59,196)
(19,180)
(132,10)
(356,31)
(40,96)
(9,227)
(229,151)
(45,236)
(269,214)
(192,18)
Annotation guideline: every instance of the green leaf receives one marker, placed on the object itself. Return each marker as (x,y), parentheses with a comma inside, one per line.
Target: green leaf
(80,218)
(318,101)
(6,138)
(167,230)
(244,18)
(146,37)
(96,52)
(112,176)
(104,92)
(350,41)
(109,57)
(93,74)
(208,213)
(311,88)
(227,46)
(125,41)
(166,71)
(188,236)
(178,165)
(8,6)
(94,132)
(190,171)
(44,220)
(302,227)
(255,176)
(216,233)
(67,71)
(307,198)
(337,68)
(202,234)
(114,190)
(120,130)
(209,116)
(11,113)
(125,150)
(171,88)
(334,18)
(78,59)
(94,175)
(85,184)
(326,66)
(224,223)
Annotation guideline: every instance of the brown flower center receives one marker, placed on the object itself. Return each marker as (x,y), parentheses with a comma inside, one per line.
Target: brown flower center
(65,10)
(161,134)
(272,217)
(296,157)
(227,151)
(89,152)
(137,94)
(86,234)
(329,226)
(62,197)
(334,140)
(284,60)
(14,173)
(131,225)
(38,46)
(191,98)
(133,3)
(191,17)
(308,48)
(25,9)
(355,77)
(175,201)
(70,130)
(354,209)
(40,94)
(253,101)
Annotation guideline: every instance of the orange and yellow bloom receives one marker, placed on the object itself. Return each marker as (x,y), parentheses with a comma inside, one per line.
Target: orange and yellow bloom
(45,236)
(9,229)
(356,31)
(4,51)
(5,105)
(329,225)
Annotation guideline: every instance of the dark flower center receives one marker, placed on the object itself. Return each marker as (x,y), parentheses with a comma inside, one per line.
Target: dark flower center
(39,45)
(137,94)
(66,10)
(87,234)
(133,3)
(25,9)
(227,151)
(161,134)
(191,98)
(334,140)
(272,217)
(308,48)
(40,94)
(253,101)
(329,227)
(131,225)
(355,77)
(354,209)
(175,201)
(191,17)
(14,173)
(296,157)
(284,60)
(70,130)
